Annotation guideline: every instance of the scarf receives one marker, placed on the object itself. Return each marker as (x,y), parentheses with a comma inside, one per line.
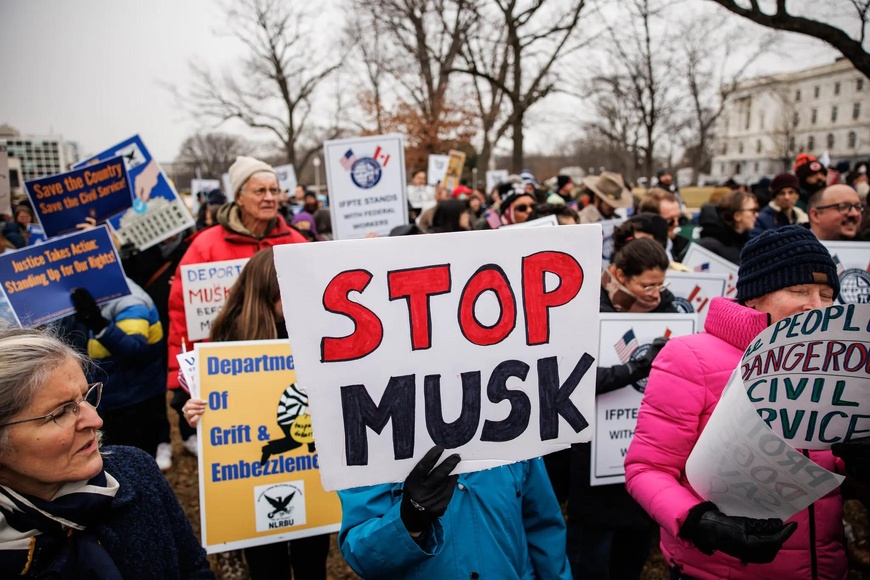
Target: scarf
(54,538)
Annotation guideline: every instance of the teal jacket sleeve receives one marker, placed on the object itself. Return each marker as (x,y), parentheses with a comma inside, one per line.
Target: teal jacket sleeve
(373,539)
(544,524)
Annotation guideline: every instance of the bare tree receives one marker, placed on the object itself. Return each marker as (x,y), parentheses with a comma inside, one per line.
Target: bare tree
(279,79)
(211,153)
(615,126)
(781,19)
(706,49)
(519,46)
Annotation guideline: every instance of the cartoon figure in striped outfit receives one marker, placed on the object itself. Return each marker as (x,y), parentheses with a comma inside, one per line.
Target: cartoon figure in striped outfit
(294,420)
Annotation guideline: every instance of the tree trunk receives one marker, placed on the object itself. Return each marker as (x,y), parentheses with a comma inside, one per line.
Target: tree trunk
(517,156)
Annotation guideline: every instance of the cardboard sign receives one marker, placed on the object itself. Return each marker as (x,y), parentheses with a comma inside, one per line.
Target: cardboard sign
(366,177)
(453,176)
(199,186)
(701,260)
(206,288)
(494,178)
(802,384)
(853,269)
(98,191)
(286,177)
(468,340)
(625,337)
(157,211)
(5,185)
(258,465)
(694,291)
(437,169)
(421,197)
(37,280)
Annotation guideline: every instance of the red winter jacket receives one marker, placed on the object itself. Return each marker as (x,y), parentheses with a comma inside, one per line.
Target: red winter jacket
(227,241)
(687,378)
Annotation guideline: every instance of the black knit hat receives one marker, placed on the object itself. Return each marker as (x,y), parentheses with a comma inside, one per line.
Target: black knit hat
(787,256)
(782,181)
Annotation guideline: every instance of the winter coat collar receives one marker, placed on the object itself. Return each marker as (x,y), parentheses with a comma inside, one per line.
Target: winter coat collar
(734,323)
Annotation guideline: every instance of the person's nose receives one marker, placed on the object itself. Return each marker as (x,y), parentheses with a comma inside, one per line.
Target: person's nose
(88,417)
(270,195)
(814,302)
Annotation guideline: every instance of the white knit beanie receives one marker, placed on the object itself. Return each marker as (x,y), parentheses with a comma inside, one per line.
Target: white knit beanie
(243,169)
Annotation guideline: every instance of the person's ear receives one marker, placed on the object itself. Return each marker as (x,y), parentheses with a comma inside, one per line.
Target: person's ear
(750,303)
(619,275)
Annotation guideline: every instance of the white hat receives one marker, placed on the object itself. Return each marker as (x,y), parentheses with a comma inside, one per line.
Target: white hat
(243,169)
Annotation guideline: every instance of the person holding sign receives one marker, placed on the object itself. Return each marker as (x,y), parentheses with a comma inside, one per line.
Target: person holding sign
(247,225)
(253,312)
(69,509)
(782,272)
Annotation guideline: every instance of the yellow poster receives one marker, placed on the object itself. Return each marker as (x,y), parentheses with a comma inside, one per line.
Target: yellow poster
(454,170)
(259,476)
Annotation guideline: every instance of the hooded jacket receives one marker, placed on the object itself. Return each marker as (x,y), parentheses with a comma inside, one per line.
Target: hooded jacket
(229,240)
(686,381)
(717,237)
(504,522)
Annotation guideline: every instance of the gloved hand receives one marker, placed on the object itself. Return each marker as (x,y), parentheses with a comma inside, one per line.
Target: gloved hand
(640,367)
(751,540)
(87,311)
(428,491)
(856,455)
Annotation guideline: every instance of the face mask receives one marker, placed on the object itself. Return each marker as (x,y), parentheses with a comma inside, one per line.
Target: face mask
(863,189)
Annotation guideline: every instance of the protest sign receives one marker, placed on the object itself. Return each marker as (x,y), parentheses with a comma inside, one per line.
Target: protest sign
(700,259)
(258,465)
(5,185)
(7,315)
(199,188)
(437,169)
(37,234)
(286,177)
(853,269)
(607,227)
(694,291)
(802,384)
(228,187)
(206,288)
(97,191)
(545,221)
(366,178)
(624,338)
(37,280)
(468,340)
(188,365)
(421,197)
(157,211)
(494,178)
(453,176)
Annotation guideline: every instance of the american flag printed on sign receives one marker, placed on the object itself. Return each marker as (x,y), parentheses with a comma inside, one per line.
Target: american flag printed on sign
(348,160)
(626,345)
(705,267)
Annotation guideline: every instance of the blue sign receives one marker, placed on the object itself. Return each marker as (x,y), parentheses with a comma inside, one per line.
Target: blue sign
(37,234)
(37,280)
(98,191)
(157,212)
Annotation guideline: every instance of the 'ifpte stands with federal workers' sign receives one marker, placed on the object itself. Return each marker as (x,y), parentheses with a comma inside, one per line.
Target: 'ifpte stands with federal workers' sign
(483,342)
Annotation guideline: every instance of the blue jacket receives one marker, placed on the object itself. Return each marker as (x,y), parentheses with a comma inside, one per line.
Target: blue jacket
(772,217)
(130,353)
(12,231)
(501,523)
(146,532)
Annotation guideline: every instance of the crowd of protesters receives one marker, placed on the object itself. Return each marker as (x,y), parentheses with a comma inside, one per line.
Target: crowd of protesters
(504,522)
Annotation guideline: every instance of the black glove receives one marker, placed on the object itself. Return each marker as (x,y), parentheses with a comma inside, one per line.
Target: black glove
(751,540)
(87,311)
(856,455)
(640,368)
(428,491)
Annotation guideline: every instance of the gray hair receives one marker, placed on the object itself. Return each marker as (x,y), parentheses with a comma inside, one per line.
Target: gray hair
(27,357)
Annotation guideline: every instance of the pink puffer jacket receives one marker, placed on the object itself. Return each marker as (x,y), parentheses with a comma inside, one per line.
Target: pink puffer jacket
(687,379)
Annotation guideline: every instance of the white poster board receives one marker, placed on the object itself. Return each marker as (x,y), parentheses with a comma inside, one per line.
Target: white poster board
(802,384)
(465,339)
(694,291)
(495,177)
(286,178)
(437,169)
(607,227)
(198,186)
(545,221)
(5,185)
(228,187)
(366,177)
(625,337)
(853,269)
(206,288)
(421,197)
(700,259)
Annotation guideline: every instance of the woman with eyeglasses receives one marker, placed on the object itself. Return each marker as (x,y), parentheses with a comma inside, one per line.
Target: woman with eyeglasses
(70,509)
(609,534)
(725,227)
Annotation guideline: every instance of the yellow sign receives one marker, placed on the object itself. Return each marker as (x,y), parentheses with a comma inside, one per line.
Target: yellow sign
(454,170)
(259,475)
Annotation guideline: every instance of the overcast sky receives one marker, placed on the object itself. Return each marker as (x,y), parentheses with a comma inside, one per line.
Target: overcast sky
(93,70)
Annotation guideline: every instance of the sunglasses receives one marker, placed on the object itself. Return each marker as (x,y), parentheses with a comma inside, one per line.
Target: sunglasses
(522,207)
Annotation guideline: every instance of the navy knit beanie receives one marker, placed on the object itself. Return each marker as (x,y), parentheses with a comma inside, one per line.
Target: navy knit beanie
(787,256)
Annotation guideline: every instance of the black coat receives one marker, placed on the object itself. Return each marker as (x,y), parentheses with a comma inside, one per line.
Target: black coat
(719,238)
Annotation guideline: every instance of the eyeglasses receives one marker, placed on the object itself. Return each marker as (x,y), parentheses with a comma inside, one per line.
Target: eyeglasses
(263,191)
(65,415)
(652,289)
(844,207)
(750,209)
(522,207)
